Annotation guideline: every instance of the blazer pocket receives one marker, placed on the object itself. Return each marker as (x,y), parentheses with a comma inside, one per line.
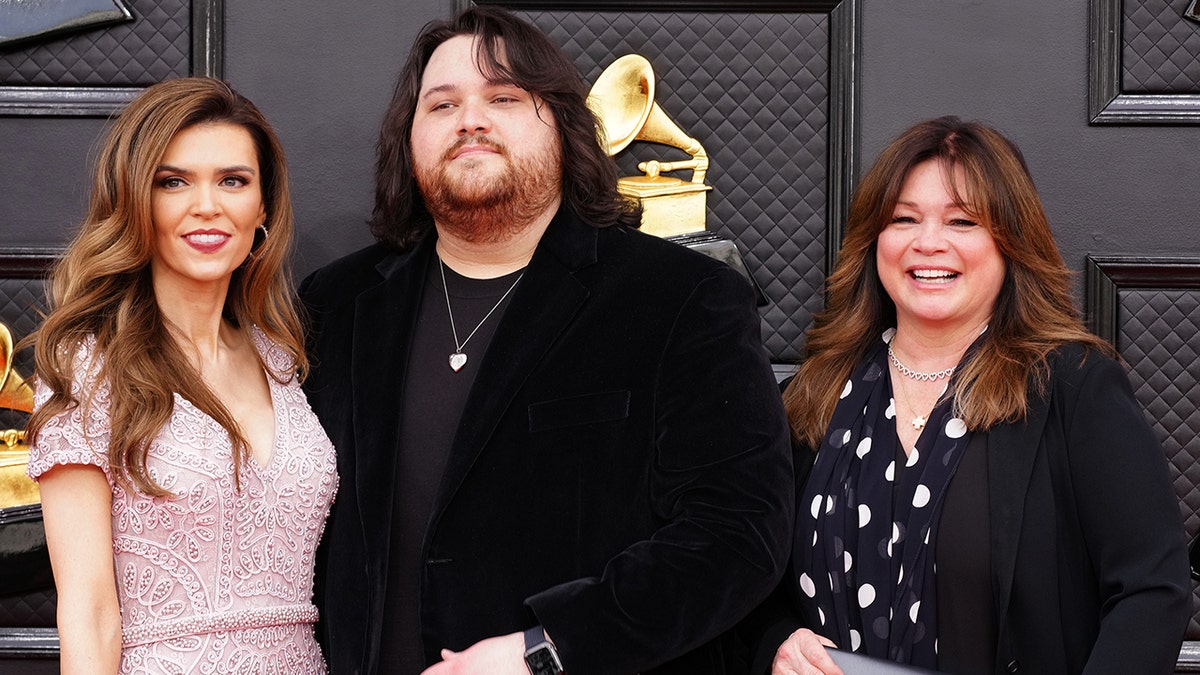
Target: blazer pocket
(607,406)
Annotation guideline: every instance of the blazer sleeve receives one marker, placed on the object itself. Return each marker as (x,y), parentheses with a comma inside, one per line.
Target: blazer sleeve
(1131,525)
(722,486)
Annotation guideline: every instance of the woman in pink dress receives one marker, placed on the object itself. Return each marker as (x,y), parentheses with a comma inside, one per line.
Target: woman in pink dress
(185,481)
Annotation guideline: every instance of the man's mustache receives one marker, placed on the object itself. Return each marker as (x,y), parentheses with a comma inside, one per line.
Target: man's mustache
(474,140)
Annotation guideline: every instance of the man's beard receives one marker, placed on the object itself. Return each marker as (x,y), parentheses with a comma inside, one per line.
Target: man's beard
(488,206)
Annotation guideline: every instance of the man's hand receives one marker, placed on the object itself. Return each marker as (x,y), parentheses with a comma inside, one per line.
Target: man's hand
(503,655)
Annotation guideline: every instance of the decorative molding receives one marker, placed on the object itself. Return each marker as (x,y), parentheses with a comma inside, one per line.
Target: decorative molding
(802,6)
(27,263)
(1107,103)
(29,643)
(845,97)
(1106,276)
(208,39)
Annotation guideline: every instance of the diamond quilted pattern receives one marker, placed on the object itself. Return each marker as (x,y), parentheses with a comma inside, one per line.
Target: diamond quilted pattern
(154,47)
(753,89)
(35,609)
(1161,50)
(1159,337)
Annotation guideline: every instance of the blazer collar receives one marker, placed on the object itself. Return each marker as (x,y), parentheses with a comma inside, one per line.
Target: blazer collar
(384,320)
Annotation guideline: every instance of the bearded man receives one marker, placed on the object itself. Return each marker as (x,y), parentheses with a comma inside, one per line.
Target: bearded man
(560,444)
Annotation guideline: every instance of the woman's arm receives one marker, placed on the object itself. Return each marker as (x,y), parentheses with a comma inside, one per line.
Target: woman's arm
(76,506)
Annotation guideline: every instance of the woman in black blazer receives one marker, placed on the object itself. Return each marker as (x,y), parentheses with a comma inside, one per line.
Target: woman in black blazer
(983,491)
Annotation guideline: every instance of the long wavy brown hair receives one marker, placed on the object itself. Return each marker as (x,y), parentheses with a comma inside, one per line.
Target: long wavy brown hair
(1034,313)
(512,51)
(102,285)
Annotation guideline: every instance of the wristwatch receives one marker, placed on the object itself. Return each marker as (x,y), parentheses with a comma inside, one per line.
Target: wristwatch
(540,656)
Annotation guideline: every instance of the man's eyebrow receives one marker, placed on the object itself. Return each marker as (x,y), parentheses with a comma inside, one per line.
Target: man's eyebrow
(440,89)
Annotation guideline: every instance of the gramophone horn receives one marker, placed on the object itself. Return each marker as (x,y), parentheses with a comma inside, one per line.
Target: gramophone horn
(15,392)
(623,99)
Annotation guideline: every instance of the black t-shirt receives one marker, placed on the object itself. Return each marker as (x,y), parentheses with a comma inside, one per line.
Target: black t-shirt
(430,405)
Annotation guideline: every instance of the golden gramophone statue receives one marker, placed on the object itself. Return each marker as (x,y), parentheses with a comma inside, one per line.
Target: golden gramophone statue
(623,99)
(15,393)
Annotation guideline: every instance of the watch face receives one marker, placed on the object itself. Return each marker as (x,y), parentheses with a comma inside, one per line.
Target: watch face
(543,661)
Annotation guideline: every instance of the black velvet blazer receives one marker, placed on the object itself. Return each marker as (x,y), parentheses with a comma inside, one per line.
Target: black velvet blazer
(1089,568)
(621,475)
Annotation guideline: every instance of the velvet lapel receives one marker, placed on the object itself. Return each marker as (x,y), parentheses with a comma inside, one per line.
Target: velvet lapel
(542,306)
(1012,453)
(384,321)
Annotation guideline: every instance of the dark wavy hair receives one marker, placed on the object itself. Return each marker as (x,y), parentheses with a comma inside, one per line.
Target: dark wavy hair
(511,51)
(1034,313)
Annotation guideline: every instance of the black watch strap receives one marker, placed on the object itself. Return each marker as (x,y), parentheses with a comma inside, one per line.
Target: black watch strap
(540,656)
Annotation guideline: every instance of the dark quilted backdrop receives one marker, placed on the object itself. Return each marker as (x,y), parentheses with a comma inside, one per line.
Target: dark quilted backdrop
(1161,49)
(20,305)
(154,47)
(752,88)
(1160,338)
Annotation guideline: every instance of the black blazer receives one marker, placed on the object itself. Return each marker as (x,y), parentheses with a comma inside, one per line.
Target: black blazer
(621,473)
(1089,569)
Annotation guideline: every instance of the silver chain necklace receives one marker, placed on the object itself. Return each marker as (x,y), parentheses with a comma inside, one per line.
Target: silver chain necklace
(915,374)
(458,359)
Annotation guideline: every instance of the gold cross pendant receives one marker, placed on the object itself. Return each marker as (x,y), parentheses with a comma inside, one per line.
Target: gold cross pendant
(918,422)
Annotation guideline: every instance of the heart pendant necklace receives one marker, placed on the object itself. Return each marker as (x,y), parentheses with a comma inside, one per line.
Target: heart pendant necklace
(458,359)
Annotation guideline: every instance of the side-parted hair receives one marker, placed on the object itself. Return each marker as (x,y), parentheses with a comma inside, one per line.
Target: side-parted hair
(102,286)
(1033,315)
(511,51)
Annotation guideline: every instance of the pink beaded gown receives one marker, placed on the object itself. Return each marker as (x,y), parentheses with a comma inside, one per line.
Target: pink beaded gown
(213,580)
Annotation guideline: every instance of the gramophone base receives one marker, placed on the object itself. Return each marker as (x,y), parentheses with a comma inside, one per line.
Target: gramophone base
(720,248)
(670,207)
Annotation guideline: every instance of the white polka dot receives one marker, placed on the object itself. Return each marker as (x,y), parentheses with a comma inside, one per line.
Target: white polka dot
(956,428)
(891,471)
(912,459)
(921,496)
(866,595)
(814,538)
(891,409)
(912,612)
(816,506)
(847,389)
(849,561)
(927,543)
(864,446)
(864,515)
(895,533)
(855,640)
(900,580)
(846,437)
(821,614)
(807,585)
(829,504)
